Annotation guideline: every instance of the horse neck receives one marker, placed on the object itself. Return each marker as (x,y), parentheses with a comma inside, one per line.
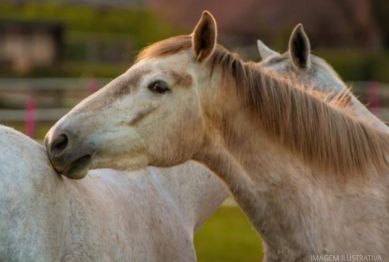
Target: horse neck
(365,114)
(331,82)
(273,187)
(356,106)
(246,160)
(263,181)
(197,192)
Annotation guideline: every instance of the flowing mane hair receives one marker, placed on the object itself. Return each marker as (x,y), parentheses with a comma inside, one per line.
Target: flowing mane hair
(319,129)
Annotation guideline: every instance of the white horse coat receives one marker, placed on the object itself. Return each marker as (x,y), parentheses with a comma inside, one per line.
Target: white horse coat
(150,215)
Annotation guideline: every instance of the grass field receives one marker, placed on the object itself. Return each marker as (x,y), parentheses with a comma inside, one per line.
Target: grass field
(228,236)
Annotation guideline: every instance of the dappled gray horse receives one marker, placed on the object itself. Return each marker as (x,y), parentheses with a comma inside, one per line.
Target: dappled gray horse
(309,174)
(150,215)
(298,64)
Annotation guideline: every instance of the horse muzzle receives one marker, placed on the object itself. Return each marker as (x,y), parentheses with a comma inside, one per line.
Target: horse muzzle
(68,154)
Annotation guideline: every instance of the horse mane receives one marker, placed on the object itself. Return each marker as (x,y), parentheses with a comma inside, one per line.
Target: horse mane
(319,129)
(318,63)
(166,47)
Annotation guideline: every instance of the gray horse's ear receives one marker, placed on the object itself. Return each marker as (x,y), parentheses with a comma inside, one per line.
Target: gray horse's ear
(204,37)
(265,51)
(299,48)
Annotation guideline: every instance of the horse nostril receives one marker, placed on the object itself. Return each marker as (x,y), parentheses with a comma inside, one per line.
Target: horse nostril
(59,144)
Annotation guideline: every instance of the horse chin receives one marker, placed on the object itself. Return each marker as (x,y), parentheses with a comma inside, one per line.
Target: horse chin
(132,164)
(78,169)
(120,162)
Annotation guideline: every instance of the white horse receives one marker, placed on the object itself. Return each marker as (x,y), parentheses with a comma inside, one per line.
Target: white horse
(309,174)
(150,215)
(298,64)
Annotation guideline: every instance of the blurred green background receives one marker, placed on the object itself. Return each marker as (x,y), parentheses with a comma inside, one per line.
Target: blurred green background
(357,47)
(228,236)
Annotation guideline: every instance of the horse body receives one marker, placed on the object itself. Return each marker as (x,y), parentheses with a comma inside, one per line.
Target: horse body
(309,175)
(108,216)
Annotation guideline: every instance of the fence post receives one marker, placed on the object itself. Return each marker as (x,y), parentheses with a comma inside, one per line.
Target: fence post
(372,95)
(91,85)
(29,120)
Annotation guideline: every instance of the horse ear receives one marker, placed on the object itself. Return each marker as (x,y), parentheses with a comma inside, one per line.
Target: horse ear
(204,37)
(265,51)
(299,48)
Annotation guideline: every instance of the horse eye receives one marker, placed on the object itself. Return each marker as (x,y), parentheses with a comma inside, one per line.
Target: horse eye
(158,87)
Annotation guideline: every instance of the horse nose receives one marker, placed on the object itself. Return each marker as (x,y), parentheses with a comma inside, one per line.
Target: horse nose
(59,144)
(68,153)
